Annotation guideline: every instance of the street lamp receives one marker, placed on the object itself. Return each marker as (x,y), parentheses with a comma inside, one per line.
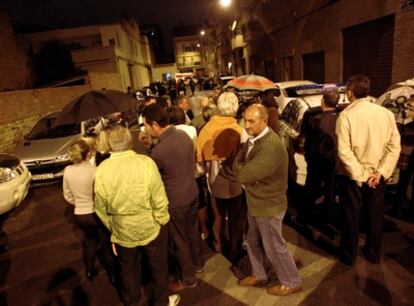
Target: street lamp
(225,3)
(202,33)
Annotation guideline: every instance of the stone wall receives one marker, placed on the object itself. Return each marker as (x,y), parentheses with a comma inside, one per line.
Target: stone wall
(108,80)
(20,110)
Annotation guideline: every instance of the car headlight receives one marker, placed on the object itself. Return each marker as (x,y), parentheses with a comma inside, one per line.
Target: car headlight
(62,157)
(7,174)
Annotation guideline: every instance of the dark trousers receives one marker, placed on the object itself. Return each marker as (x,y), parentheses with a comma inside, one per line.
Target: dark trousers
(236,211)
(130,260)
(203,195)
(185,241)
(353,198)
(320,180)
(95,234)
(403,182)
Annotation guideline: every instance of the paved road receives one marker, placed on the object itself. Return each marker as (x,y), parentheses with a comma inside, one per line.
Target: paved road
(44,267)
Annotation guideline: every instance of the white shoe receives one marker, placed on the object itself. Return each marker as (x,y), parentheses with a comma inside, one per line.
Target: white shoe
(174,300)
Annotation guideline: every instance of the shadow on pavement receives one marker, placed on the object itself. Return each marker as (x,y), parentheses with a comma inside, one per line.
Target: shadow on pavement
(62,280)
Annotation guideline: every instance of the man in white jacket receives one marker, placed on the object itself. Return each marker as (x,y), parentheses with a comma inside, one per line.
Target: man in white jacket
(368,149)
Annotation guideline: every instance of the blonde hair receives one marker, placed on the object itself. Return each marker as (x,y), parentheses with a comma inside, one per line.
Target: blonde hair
(78,151)
(102,143)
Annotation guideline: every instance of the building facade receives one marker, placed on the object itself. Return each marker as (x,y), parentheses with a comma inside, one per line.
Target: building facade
(188,49)
(319,40)
(118,49)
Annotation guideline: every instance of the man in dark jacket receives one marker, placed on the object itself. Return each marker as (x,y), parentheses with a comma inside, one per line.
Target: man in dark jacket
(175,158)
(320,155)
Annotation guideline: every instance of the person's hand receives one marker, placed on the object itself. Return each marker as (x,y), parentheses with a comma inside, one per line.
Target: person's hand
(114,249)
(145,139)
(374,179)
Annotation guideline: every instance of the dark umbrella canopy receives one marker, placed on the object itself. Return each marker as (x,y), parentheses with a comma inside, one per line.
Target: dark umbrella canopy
(93,104)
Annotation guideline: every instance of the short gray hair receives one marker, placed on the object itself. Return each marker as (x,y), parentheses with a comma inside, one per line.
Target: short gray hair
(120,139)
(228,104)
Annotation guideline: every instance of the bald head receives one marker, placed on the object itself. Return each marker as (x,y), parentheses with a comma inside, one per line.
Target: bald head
(255,117)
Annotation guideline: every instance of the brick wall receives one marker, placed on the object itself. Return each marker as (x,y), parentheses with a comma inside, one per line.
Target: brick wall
(403,63)
(296,27)
(20,110)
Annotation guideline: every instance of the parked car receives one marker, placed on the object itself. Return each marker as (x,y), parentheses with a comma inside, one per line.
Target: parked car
(45,149)
(14,182)
(209,84)
(223,80)
(293,122)
(287,91)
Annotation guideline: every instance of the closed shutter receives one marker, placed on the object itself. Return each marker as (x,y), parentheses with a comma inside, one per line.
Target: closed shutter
(368,49)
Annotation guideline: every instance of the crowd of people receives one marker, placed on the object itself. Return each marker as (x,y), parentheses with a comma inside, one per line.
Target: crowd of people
(149,209)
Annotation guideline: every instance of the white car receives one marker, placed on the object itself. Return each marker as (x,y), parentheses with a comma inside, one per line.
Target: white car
(14,182)
(293,121)
(287,91)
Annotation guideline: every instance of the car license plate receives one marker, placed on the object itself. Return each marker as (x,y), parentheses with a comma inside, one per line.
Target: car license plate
(46,176)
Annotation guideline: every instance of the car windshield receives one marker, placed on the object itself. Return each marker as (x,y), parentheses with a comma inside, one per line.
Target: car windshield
(43,129)
(290,114)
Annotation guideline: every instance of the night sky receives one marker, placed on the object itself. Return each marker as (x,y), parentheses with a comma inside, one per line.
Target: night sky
(64,13)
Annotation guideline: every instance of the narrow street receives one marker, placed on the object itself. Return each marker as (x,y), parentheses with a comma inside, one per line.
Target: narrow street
(44,267)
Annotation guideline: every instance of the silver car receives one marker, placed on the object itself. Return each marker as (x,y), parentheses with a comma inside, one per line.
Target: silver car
(45,149)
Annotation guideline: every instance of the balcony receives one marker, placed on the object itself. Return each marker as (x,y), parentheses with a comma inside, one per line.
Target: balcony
(237,42)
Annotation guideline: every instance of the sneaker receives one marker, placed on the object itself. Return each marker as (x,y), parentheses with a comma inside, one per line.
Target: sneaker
(174,300)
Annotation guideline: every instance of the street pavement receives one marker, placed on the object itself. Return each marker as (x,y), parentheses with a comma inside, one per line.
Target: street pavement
(44,266)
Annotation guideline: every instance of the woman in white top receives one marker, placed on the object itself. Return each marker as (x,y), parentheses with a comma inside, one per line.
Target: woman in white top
(78,190)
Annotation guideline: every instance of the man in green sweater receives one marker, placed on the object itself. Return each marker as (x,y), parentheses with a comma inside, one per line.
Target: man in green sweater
(262,167)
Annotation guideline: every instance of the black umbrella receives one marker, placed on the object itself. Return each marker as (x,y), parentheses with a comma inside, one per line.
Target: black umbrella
(94,104)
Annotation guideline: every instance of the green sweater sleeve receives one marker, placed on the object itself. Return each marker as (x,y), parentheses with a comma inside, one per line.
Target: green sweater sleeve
(261,164)
(159,200)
